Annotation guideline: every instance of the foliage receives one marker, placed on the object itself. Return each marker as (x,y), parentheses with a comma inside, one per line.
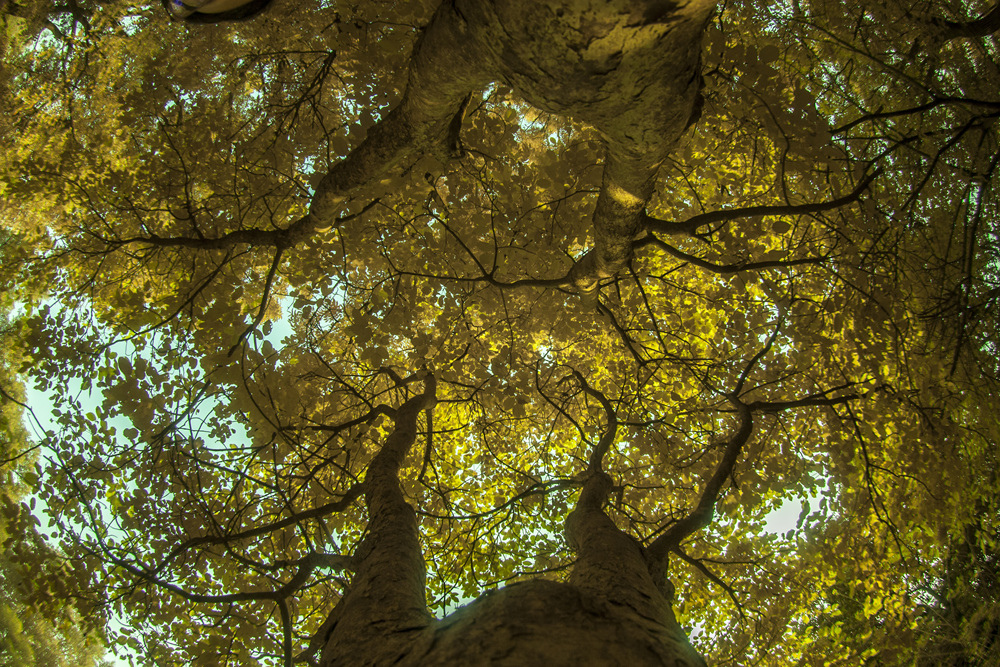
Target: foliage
(821,245)
(38,625)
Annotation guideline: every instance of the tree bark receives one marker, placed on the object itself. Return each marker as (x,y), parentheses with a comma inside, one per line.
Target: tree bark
(630,68)
(444,69)
(382,614)
(613,610)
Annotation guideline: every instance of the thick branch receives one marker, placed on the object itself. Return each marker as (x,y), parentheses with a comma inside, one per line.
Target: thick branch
(444,69)
(814,400)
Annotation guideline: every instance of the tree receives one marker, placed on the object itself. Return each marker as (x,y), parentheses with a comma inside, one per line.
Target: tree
(350,308)
(38,625)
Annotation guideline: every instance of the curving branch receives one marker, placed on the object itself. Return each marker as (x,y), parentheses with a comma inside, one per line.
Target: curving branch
(281,238)
(610,431)
(264,300)
(305,565)
(278,238)
(714,578)
(921,108)
(726,269)
(535,489)
(339,505)
(691,226)
(985,25)
(703,513)
(822,398)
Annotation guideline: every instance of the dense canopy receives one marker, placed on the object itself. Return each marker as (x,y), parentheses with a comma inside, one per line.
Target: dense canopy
(352,312)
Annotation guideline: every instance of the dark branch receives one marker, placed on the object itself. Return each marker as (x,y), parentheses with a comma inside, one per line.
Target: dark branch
(701,516)
(915,110)
(313,513)
(985,25)
(701,567)
(691,225)
(306,565)
(809,401)
(608,437)
(264,299)
(727,268)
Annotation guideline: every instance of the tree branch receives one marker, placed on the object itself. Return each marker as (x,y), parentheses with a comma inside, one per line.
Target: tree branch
(701,567)
(690,226)
(335,506)
(701,516)
(985,25)
(940,101)
(306,565)
(264,299)
(286,631)
(608,437)
(725,269)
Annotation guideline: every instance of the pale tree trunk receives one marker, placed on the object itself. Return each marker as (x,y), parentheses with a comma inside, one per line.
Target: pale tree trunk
(630,68)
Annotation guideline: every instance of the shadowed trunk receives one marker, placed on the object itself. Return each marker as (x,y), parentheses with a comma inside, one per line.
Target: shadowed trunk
(380,618)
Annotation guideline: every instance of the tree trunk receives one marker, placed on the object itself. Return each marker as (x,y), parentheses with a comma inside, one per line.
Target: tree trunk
(630,68)
(612,610)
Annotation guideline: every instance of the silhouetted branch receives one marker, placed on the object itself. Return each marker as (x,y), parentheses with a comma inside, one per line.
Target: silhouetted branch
(701,567)
(915,110)
(701,516)
(608,437)
(343,503)
(727,268)
(286,632)
(264,299)
(306,565)
(985,25)
(690,226)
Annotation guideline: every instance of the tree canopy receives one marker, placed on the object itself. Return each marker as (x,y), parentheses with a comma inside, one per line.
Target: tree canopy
(351,313)
(38,624)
